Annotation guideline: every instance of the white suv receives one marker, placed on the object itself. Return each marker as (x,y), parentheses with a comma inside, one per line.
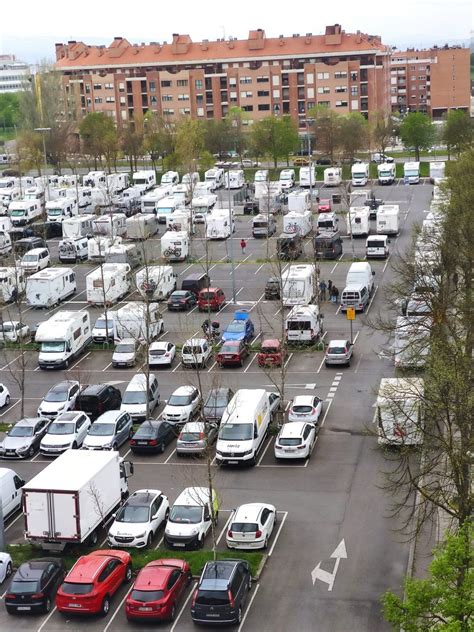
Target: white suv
(182,406)
(196,352)
(67,431)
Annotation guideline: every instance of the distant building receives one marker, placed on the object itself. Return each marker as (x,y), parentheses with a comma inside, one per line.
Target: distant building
(14,75)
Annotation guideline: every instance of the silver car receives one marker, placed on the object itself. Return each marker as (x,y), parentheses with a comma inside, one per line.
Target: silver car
(24,438)
(125,353)
(109,431)
(339,352)
(195,437)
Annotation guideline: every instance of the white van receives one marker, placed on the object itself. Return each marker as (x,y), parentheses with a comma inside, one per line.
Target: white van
(287,178)
(399,411)
(360,174)
(411,172)
(303,324)
(135,401)
(10,491)
(327,223)
(298,284)
(23,212)
(386,173)
(156,283)
(215,177)
(308,176)
(388,216)
(355,295)
(170,177)
(376,247)
(361,273)
(196,352)
(73,250)
(190,517)
(35,260)
(144,179)
(243,427)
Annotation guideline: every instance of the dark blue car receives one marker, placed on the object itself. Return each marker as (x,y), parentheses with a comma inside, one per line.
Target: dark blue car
(240,328)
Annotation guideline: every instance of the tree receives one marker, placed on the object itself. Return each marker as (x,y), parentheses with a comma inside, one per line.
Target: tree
(238,137)
(132,142)
(99,136)
(190,135)
(288,139)
(417,132)
(442,601)
(158,136)
(458,132)
(327,128)
(353,134)
(9,109)
(275,137)
(30,151)
(383,129)
(217,136)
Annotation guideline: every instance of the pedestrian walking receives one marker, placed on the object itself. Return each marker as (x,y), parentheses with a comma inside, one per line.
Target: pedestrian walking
(322,289)
(243,245)
(330,287)
(334,294)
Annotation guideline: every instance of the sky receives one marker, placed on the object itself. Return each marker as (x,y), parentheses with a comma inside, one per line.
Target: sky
(30,29)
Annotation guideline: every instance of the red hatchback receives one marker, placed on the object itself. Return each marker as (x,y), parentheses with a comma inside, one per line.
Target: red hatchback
(324,206)
(270,354)
(157,590)
(92,581)
(212,299)
(232,352)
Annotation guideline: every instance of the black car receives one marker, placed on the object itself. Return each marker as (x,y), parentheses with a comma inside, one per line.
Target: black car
(251,207)
(323,160)
(34,586)
(221,592)
(152,436)
(272,289)
(181,299)
(22,246)
(289,246)
(96,399)
(216,403)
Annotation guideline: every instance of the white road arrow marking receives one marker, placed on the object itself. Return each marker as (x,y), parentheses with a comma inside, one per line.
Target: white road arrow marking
(325,576)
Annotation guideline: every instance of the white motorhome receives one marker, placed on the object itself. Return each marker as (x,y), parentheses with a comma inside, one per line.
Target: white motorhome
(73,250)
(170,177)
(308,176)
(386,173)
(261,175)
(203,188)
(411,345)
(266,190)
(58,210)
(299,201)
(165,207)
(36,194)
(437,171)
(215,176)
(201,206)
(156,283)
(23,212)
(8,183)
(175,245)
(133,194)
(7,196)
(263,225)
(218,225)
(108,283)
(298,222)
(137,320)
(332,176)
(180,219)
(388,216)
(399,411)
(149,201)
(243,428)
(377,247)
(68,180)
(234,179)
(110,225)
(98,247)
(327,222)
(182,194)
(298,285)
(94,179)
(127,253)
(287,179)
(359,221)
(141,226)
(79,226)
(360,174)
(411,172)
(5,242)
(12,283)
(117,182)
(63,337)
(191,179)
(51,286)
(144,179)
(303,324)
(83,195)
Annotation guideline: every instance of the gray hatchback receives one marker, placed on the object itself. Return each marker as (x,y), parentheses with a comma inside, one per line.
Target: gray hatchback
(339,352)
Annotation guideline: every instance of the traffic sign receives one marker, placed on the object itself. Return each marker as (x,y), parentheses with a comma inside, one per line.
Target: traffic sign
(350,313)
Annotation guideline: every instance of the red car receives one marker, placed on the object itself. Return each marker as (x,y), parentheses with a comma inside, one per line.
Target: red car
(270,354)
(92,581)
(232,352)
(212,299)
(324,206)
(157,590)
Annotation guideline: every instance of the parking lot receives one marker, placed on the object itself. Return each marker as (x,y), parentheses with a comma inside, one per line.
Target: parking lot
(335,495)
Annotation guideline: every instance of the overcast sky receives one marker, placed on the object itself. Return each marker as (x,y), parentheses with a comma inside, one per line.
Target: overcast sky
(29,28)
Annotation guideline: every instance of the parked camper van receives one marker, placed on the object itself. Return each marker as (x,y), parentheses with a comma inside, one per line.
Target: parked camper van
(138,320)
(175,245)
(303,324)
(63,337)
(170,177)
(308,176)
(298,285)
(144,179)
(327,223)
(361,272)
(386,173)
(218,225)
(287,179)
(108,284)
(261,175)
(23,212)
(411,172)
(94,179)
(399,411)
(201,206)
(298,222)
(388,219)
(437,172)
(141,226)
(190,179)
(156,283)
(327,245)
(360,174)
(111,225)
(12,283)
(79,226)
(299,201)
(359,221)
(234,179)
(332,176)
(73,250)
(49,287)
(165,207)
(123,253)
(263,226)
(58,210)
(215,177)
(377,247)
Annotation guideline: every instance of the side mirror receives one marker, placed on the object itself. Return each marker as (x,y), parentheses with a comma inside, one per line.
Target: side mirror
(255,434)
(373,272)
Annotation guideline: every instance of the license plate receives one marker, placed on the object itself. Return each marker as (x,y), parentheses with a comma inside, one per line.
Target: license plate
(233,462)
(187,445)
(179,544)
(228,357)
(74,605)
(142,442)
(24,608)
(289,450)
(144,609)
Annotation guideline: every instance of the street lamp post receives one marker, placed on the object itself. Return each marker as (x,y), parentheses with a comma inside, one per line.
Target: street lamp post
(43,131)
(231,244)
(309,122)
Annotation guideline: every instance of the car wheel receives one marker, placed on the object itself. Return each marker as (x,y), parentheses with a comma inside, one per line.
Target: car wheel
(74,446)
(173,612)
(128,572)
(115,447)
(149,540)
(47,605)
(93,538)
(66,364)
(31,451)
(131,433)
(200,542)
(239,615)
(265,546)
(104,610)
(7,400)
(250,584)
(8,572)
(162,447)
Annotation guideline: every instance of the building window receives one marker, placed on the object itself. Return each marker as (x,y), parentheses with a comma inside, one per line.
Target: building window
(168,112)
(97,86)
(245,79)
(263,93)
(153,100)
(246,95)
(323,75)
(247,108)
(232,81)
(354,91)
(341,89)
(183,97)
(309,77)
(353,75)
(276,94)
(354,104)
(340,75)
(167,97)
(122,100)
(109,99)
(121,87)
(165,84)
(325,103)
(200,111)
(311,104)
(324,90)
(198,84)
(263,79)
(184,111)
(182,83)
(275,80)
(152,86)
(98,100)
(109,86)
(341,104)
(264,107)
(310,93)
(199,98)
(88,88)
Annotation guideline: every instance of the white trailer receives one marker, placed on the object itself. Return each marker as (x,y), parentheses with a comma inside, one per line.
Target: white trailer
(83,195)
(386,173)
(287,179)
(49,287)
(165,207)
(144,179)
(117,182)
(36,194)
(111,225)
(298,285)
(203,188)
(5,242)
(99,246)
(411,345)
(108,284)
(133,194)
(360,174)
(297,222)
(201,206)
(156,283)
(7,196)
(23,212)
(69,500)
(182,194)
(388,216)
(94,179)
(191,179)
(299,201)
(411,172)
(303,324)
(12,283)
(175,245)
(79,226)
(137,320)
(218,225)
(332,176)
(63,337)
(359,222)
(141,226)
(215,177)
(437,171)
(60,209)
(180,220)
(149,201)
(170,177)
(399,411)
(234,179)
(327,223)
(68,180)
(308,176)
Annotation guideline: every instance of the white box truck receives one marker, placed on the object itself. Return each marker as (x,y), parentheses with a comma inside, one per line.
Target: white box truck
(360,174)
(388,216)
(386,173)
(332,176)
(303,324)
(298,285)
(141,226)
(359,224)
(175,245)
(411,172)
(72,498)
(63,337)
(49,287)
(156,283)
(298,222)
(399,411)
(299,201)
(308,176)
(137,320)
(108,283)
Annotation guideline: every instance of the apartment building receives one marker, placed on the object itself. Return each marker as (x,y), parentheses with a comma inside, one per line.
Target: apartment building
(349,72)
(14,74)
(431,81)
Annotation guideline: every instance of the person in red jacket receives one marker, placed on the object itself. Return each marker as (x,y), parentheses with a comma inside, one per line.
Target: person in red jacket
(243,245)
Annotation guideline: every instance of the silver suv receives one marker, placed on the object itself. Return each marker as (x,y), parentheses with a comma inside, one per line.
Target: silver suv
(339,352)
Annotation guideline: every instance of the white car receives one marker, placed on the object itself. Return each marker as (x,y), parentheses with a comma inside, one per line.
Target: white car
(6,566)
(251,526)
(13,331)
(182,406)
(59,399)
(138,520)
(4,396)
(35,260)
(161,353)
(125,353)
(295,440)
(67,431)
(306,408)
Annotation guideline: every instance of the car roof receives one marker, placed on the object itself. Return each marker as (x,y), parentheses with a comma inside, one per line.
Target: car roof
(210,289)
(93,389)
(161,344)
(233,343)
(248,512)
(271,342)
(89,566)
(27,421)
(193,426)
(184,390)
(194,341)
(216,574)
(293,429)
(153,577)
(36,251)
(70,415)
(109,417)
(33,569)
(303,399)
(61,386)
(126,341)
(337,343)
(142,497)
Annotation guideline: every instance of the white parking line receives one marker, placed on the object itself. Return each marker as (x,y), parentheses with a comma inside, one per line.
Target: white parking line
(263,453)
(248,607)
(14,360)
(107,367)
(176,368)
(372,300)
(119,607)
(80,360)
(338,310)
(355,337)
(255,304)
(321,365)
(20,515)
(250,363)
(10,407)
(289,358)
(47,619)
(170,456)
(336,264)
(258,269)
(213,365)
(243,261)
(278,533)
(183,607)
(160,543)
(225,527)
(326,413)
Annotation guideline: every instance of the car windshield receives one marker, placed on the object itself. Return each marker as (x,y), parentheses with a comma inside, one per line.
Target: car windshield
(56,396)
(336,350)
(52,347)
(244,527)
(23,587)
(125,348)
(157,352)
(17,213)
(6,327)
(229,349)
(236,432)
(69,588)
(60,428)
(192,350)
(100,323)
(134,397)
(289,441)
(270,350)
(30,258)
(301,408)
(101,430)
(191,436)
(179,295)
(236,327)
(179,400)
(216,400)
(146,595)
(146,431)
(133,513)
(186,514)
(21,431)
